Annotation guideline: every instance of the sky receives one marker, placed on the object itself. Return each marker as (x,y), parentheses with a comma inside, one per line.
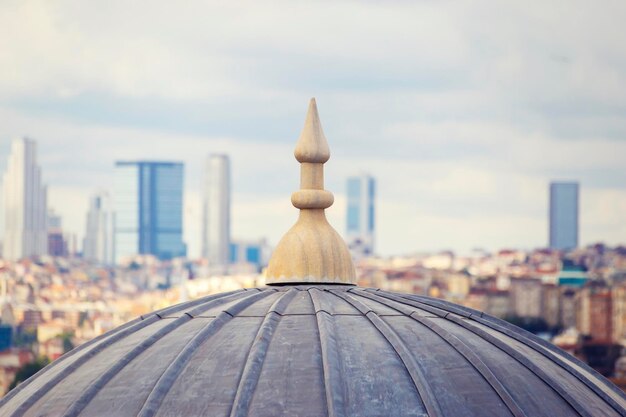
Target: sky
(463,111)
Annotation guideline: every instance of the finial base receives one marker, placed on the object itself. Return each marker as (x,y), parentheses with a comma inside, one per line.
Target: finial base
(311,251)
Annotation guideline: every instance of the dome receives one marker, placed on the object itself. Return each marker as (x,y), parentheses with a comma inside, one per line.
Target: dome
(314,344)
(316,350)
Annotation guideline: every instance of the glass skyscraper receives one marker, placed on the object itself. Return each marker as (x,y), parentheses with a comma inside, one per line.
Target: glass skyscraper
(563,215)
(148,198)
(360,215)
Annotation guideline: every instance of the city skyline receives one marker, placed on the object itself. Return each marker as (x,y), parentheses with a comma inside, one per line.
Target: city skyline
(185,208)
(461,137)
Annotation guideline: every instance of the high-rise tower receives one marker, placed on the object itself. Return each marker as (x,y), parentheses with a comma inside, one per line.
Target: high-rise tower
(216,211)
(98,242)
(360,215)
(24,198)
(148,200)
(563,215)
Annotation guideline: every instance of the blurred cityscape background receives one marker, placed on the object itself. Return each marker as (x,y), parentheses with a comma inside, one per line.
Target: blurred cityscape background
(478,155)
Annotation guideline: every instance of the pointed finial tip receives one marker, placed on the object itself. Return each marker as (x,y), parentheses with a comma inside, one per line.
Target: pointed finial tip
(312,145)
(312,108)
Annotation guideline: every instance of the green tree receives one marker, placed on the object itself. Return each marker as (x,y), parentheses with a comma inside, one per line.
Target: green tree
(28,370)
(67,341)
(532,324)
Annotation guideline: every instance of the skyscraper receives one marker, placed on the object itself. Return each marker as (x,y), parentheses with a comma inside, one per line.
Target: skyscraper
(24,201)
(148,200)
(563,215)
(216,211)
(360,215)
(98,242)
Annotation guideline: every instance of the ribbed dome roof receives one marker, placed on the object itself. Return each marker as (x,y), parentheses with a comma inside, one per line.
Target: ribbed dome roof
(316,350)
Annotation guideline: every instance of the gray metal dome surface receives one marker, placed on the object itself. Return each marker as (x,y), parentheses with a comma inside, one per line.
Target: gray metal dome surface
(316,350)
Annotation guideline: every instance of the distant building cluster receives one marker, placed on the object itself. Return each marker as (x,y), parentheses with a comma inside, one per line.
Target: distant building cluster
(576,300)
(53,304)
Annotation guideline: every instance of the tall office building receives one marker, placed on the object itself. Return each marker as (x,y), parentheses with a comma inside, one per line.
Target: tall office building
(98,241)
(24,203)
(563,215)
(148,198)
(216,211)
(360,215)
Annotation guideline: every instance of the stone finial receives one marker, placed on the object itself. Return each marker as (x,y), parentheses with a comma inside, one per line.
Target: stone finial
(311,251)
